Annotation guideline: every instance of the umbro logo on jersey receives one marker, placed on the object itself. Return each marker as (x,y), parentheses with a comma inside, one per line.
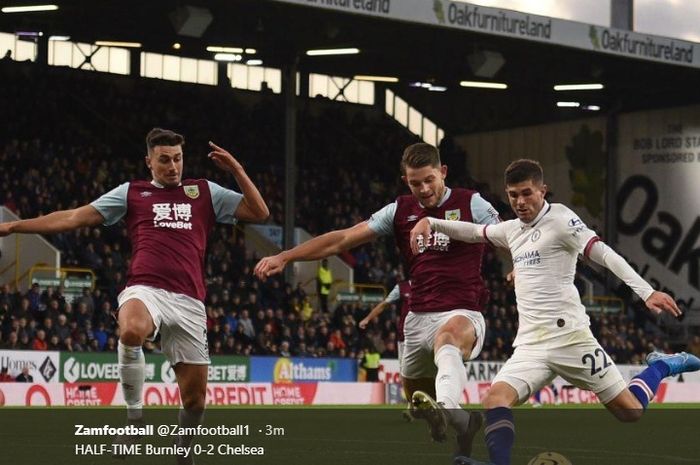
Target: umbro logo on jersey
(412,218)
(146,194)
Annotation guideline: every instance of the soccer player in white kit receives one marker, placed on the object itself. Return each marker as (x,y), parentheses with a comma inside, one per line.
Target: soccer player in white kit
(554,337)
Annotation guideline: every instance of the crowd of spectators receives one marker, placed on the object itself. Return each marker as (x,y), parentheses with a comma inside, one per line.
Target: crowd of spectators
(63,149)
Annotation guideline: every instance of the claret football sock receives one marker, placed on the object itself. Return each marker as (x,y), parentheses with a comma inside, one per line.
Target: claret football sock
(132,367)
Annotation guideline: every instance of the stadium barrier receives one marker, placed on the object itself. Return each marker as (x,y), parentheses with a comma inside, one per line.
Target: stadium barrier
(53,366)
(247,394)
(73,367)
(260,394)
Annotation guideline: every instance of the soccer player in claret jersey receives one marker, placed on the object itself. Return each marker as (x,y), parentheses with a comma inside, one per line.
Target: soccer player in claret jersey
(444,325)
(554,337)
(401,292)
(169,220)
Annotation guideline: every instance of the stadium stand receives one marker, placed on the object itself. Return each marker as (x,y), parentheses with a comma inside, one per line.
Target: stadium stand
(66,148)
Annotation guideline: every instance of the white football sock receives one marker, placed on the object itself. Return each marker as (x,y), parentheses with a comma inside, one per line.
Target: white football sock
(132,367)
(449,383)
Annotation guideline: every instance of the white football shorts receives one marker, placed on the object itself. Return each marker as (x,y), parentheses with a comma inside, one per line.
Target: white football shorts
(180,319)
(577,357)
(420,328)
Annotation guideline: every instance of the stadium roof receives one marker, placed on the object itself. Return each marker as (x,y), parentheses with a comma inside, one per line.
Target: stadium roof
(410,51)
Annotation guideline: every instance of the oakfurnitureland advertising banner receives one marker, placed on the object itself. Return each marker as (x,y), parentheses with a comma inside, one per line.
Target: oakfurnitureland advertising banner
(302,370)
(86,367)
(518,25)
(658,199)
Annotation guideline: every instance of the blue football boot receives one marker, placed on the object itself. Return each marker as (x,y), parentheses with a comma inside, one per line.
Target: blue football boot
(681,362)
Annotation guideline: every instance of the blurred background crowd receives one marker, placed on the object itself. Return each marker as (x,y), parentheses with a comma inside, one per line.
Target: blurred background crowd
(63,149)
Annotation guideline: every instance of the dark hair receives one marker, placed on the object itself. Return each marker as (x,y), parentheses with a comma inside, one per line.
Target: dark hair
(158,136)
(524,170)
(420,155)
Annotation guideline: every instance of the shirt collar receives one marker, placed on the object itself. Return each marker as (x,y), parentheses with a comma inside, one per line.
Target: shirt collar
(159,185)
(445,197)
(545,209)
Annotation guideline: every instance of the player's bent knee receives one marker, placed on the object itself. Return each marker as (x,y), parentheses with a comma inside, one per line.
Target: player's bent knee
(461,337)
(446,337)
(499,396)
(132,335)
(193,398)
(194,402)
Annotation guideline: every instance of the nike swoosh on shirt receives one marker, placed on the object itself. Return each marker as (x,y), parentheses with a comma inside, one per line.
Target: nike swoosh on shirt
(603,375)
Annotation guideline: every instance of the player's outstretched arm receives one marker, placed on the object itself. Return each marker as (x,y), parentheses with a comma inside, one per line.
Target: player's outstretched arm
(374,313)
(56,222)
(656,301)
(661,302)
(252,206)
(459,230)
(325,245)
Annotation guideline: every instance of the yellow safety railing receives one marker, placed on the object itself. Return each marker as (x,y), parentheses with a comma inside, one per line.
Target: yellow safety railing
(359,289)
(605,302)
(63,273)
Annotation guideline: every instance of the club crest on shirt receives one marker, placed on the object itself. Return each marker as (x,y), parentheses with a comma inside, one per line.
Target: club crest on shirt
(452,215)
(191,191)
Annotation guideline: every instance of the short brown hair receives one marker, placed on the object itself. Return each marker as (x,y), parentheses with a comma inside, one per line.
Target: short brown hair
(159,136)
(524,170)
(420,155)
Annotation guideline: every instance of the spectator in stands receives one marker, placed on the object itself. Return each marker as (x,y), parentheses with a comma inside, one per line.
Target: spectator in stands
(62,329)
(54,343)
(39,342)
(24,376)
(246,325)
(324,281)
(5,377)
(12,342)
(24,342)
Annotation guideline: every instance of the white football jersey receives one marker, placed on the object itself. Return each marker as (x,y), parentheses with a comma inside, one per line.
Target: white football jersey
(544,254)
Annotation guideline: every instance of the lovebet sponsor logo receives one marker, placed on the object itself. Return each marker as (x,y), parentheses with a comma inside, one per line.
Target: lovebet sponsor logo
(95,367)
(75,370)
